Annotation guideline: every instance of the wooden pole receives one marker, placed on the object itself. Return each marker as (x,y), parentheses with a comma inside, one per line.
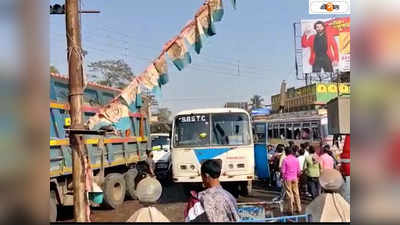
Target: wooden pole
(75,101)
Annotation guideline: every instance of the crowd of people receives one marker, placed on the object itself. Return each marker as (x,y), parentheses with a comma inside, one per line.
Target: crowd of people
(295,170)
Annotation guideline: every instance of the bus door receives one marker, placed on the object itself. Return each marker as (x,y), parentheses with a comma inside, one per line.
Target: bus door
(260,150)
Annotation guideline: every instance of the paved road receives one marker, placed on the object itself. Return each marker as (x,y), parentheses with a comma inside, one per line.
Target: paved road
(171,204)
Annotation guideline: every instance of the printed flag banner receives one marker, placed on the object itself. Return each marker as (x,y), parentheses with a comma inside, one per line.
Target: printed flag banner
(192,36)
(233,3)
(116,114)
(217,9)
(162,68)
(335,55)
(139,99)
(149,78)
(195,33)
(153,75)
(97,121)
(129,93)
(179,54)
(204,21)
(114,111)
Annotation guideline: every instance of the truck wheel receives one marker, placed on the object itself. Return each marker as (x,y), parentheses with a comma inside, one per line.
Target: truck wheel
(232,187)
(53,207)
(245,188)
(114,190)
(186,189)
(130,176)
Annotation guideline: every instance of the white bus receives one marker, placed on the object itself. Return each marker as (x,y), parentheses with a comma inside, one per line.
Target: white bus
(214,133)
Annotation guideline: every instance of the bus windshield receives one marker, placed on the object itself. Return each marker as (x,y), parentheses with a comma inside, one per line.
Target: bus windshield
(226,129)
(192,130)
(230,129)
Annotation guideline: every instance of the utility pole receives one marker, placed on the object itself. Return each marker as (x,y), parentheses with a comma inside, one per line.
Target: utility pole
(75,103)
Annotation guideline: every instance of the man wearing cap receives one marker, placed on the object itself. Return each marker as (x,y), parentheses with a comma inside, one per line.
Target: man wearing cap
(330,206)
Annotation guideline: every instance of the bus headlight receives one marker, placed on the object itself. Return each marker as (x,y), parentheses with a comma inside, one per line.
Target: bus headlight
(230,166)
(240,165)
(183,167)
(192,167)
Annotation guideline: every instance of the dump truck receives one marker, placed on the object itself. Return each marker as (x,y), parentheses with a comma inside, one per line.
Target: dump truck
(121,154)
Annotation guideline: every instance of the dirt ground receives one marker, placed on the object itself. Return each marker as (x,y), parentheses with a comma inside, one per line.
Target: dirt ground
(171,204)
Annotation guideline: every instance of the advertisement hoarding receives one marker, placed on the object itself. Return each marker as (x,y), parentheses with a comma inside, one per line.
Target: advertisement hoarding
(326,45)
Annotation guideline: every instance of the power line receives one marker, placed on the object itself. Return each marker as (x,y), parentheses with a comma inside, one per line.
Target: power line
(219,60)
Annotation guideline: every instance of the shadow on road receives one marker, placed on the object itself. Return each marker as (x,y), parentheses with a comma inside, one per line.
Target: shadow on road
(173,193)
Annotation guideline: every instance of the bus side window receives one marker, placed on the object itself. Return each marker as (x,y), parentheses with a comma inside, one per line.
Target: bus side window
(289,131)
(282,132)
(316,131)
(270,131)
(306,131)
(324,130)
(276,131)
(296,131)
(260,133)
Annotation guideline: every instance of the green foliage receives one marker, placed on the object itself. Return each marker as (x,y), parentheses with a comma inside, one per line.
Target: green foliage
(113,73)
(256,102)
(53,69)
(164,115)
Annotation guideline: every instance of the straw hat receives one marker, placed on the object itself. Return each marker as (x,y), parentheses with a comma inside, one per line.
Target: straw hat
(148,214)
(331,179)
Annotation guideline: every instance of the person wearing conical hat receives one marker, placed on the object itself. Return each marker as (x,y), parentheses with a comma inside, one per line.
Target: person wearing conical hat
(330,206)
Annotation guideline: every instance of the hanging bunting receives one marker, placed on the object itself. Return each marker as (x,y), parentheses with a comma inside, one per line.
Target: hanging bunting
(179,54)
(97,121)
(217,9)
(114,111)
(149,78)
(116,114)
(156,91)
(233,4)
(139,99)
(153,74)
(191,33)
(129,93)
(162,68)
(130,100)
(204,22)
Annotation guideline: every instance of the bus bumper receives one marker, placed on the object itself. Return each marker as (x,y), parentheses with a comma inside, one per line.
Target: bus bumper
(222,178)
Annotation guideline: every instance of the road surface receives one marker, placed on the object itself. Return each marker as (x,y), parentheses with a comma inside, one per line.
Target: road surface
(171,204)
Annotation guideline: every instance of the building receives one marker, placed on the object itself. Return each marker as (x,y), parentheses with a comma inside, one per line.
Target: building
(310,97)
(240,105)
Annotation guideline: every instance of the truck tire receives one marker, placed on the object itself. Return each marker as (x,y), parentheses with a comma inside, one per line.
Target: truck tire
(130,176)
(232,187)
(114,190)
(52,207)
(245,188)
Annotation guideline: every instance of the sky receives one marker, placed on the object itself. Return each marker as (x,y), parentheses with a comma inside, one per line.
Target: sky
(252,52)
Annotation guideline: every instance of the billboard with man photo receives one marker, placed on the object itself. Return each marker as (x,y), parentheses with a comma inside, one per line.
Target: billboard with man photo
(326,45)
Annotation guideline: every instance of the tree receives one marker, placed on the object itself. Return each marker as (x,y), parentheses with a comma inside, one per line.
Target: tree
(53,69)
(256,102)
(113,73)
(164,115)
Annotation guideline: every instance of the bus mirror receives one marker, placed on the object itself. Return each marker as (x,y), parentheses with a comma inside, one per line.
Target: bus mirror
(203,135)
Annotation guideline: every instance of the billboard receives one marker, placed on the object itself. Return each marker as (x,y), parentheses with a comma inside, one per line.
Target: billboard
(326,45)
